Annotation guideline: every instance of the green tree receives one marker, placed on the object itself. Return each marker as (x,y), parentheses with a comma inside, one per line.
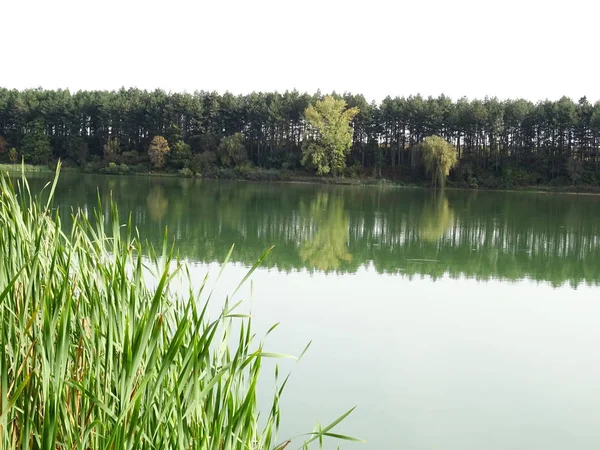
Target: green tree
(158,152)
(77,150)
(181,155)
(36,145)
(329,137)
(203,163)
(112,148)
(231,151)
(439,156)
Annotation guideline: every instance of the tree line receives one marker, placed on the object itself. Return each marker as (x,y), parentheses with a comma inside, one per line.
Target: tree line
(498,142)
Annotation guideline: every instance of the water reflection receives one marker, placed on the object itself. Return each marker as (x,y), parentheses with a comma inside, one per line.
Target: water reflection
(436,218)
(482,235)
(157,203)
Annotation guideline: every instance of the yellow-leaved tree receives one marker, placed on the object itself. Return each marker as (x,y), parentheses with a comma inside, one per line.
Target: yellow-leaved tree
(329,135)
(158,152)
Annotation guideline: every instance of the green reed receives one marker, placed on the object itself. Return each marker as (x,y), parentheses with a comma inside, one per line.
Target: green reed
(93,357)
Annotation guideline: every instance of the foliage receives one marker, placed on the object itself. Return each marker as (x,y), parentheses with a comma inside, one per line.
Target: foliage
(77,150)
(490,135)
(158,152)
(36,145)
(181,155)
(330,135)
(116,169)
(112,148)
(186,172)
(439,156)
(131,157)
(13,155)
(203,162)
(231,151)
(94,355)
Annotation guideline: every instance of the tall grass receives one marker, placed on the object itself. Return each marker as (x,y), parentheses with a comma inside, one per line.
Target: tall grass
(92,357)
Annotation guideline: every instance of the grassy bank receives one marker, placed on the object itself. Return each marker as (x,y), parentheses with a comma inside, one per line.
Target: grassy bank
(92,357)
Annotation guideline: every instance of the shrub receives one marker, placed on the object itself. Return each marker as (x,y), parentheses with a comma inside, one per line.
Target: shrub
(131,158)
(116,169)
(203,162)
(185,172)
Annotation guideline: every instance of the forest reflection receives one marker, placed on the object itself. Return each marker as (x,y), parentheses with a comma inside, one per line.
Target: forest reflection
(475,234)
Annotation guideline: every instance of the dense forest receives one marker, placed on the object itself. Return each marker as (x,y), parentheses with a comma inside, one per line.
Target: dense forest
(499,143)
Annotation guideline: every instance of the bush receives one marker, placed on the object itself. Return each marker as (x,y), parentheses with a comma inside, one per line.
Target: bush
(116,169)
(353,170)
(203,163)
(185,172)
(130,158)
(181,155)
(519,177)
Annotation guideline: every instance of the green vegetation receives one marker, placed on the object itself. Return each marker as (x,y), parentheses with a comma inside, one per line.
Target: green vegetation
(439,156)
(92,357)
(329,136)
(499,144)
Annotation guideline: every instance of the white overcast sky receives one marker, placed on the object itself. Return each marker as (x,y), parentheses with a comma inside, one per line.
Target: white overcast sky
(506,48)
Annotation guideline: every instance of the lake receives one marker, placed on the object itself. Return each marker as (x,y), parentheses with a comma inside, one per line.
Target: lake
(455,321)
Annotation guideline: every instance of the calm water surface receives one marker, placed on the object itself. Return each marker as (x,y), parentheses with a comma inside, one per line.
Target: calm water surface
(455,321)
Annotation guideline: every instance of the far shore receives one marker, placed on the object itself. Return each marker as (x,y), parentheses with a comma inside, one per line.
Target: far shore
(292,177)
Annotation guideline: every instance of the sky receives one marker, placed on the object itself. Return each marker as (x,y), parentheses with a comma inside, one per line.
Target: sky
(529,49)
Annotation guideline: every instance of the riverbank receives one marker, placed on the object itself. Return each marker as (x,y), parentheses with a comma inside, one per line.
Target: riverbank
(290,176)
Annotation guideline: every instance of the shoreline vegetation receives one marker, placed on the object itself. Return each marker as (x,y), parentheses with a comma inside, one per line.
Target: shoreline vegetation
(292,136)
(281,176)
(94,357)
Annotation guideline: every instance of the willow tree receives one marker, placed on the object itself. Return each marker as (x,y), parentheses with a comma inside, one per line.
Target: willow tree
(439,156)
(329,136)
